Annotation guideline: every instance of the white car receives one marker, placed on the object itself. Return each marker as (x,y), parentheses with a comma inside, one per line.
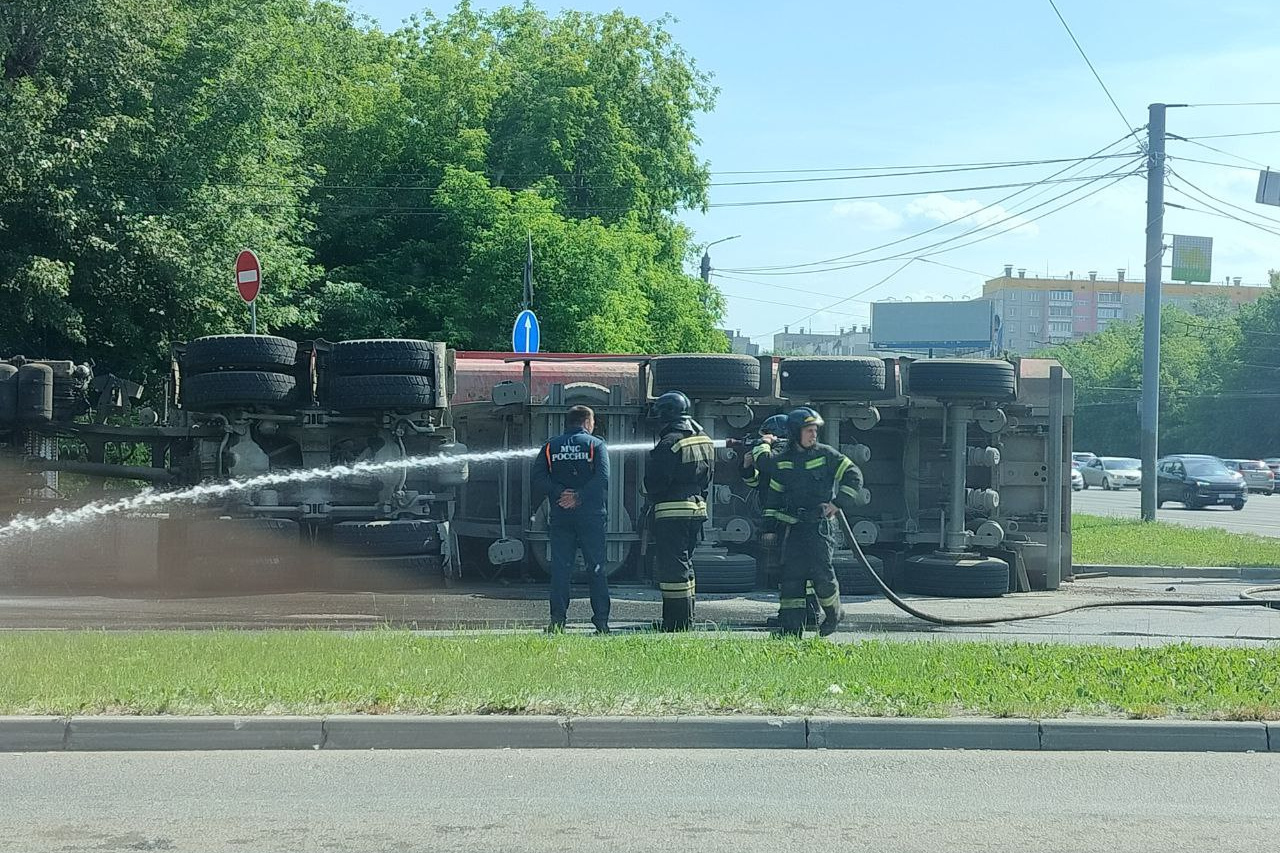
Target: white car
(1077,479)
(1112,472)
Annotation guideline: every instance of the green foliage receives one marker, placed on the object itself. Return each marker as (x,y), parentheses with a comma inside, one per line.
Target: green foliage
(389,182)
(1212,381)
(1128,542)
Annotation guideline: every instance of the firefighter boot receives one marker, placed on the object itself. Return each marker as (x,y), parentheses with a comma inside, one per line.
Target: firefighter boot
(833,613)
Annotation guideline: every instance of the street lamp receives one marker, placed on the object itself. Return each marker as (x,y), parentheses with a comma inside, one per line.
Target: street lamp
(706,256)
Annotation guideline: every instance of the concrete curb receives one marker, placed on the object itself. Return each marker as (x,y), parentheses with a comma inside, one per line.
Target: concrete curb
(113,734)
(1260,573)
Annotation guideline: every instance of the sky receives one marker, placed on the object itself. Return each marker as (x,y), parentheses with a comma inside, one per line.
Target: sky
(841,86)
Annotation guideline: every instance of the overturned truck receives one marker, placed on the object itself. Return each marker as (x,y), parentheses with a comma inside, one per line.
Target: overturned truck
(965,462)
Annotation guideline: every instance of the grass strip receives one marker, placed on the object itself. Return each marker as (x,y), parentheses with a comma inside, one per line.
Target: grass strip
(388,671)
(1128,542)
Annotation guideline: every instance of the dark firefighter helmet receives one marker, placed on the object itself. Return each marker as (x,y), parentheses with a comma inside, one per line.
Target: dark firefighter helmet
(800,418)
(671,407)
(775,425)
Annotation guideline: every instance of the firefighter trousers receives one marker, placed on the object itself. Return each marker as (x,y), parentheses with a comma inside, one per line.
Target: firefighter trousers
(806,559)
(569,534)
(674,541)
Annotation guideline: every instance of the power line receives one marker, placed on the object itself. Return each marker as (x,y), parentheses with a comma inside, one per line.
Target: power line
(1212,197)
(871,175)
(770,284)
(834,305)
(1232,135)
(1213,213)
(1096,75)
(781,304)
(1216,150)
(1238,104)
(774,269)
(920,254)
(1212,163)
(908,194)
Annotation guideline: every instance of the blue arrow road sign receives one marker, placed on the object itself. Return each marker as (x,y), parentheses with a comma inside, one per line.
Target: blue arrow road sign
(526,334)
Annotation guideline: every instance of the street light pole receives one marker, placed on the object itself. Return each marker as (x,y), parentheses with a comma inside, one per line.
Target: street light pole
(706,256)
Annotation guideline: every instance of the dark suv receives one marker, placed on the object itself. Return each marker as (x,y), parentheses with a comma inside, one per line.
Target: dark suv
(1199,481)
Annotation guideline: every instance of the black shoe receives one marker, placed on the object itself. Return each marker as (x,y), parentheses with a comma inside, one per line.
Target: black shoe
(554,628)
(773,622)
(829,625)
(602,629)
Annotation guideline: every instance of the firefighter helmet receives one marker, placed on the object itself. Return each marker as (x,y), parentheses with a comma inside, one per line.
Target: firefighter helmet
(671,407)
(800,418)
(775,425)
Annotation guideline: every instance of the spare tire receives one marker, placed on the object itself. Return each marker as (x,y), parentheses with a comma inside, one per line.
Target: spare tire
(723,572)
(371,393)
(386,538)
(853,576)
(706,376)
(833,377)
(382,356)
(963,379)
(240,352)
(235,388)
(971,576)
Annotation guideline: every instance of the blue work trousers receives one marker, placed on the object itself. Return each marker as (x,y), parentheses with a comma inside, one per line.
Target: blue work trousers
(571,532)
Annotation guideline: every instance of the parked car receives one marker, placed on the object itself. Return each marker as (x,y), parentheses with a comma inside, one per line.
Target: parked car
(1112,472)
(1077,479)
(1084,457)
(1273,462)
(1199,481)
(1257,475)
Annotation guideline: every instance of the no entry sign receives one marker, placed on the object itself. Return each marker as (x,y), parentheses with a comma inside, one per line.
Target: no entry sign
(248,275)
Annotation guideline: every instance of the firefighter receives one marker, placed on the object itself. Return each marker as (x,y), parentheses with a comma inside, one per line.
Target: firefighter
(808,482)
(676,482)
(757,468)
(572,472)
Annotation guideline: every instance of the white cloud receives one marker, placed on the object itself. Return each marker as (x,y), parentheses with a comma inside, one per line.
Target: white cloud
(870,214)
(942,208)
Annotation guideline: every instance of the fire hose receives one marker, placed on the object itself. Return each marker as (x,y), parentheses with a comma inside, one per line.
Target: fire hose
(1248,598)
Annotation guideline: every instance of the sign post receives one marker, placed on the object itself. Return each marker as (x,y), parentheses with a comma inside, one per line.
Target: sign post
(526,334)
(249,282)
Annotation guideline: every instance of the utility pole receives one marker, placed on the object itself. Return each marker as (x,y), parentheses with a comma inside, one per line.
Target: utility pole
(1149,446)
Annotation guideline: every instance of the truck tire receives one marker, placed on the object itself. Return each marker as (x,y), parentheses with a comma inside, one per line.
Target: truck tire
(231,556)
(370,393)
(8,394)
(833,377)
(724,573)
(963,379)
(235,388)
(240,352)
(706,376)
(853,577)
(971,576)
(382,356)
(386,538)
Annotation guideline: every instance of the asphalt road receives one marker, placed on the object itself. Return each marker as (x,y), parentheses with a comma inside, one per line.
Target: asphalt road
(710,801)
(1261,513)
(525,608)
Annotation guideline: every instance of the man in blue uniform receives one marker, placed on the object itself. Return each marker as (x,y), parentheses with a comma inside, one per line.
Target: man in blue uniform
(676,481)
(572,472)
(809,481)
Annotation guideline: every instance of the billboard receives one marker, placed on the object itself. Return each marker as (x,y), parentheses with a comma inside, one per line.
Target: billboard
(1192,258)
(961,326)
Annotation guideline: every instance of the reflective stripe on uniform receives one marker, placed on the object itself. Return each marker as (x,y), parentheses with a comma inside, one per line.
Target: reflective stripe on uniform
(780,516)
(786,465)
(845,464)
(752,481)
(759,450)
(815,463)
(678,589)
(776,486)
(680,509)
(849,490)
(791,604)
(695,448)
(808,587)
(831,600)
